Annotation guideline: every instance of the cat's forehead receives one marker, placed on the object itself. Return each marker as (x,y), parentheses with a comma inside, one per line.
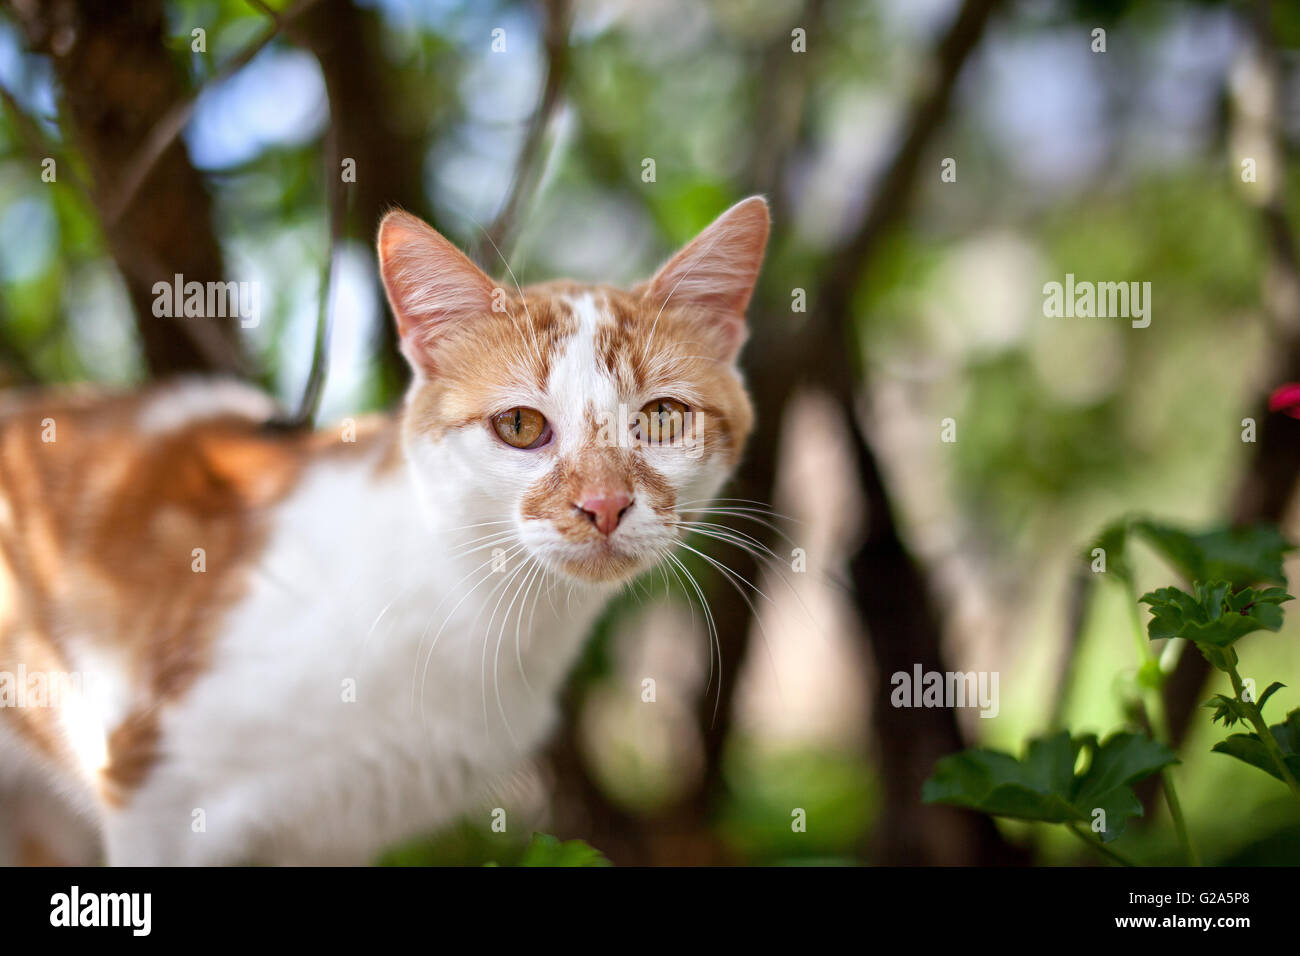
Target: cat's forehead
(594,339)
(575,352)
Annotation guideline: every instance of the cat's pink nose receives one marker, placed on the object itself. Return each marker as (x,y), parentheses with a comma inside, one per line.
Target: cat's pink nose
(605,508)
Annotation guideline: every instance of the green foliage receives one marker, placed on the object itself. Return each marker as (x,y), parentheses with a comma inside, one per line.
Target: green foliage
(1230,710)
(1222,607)
(836,790)
(546,850)
(1045,785)
(1241,556)
(1213,614)
(1251,748)
(464,844)
(1245,555)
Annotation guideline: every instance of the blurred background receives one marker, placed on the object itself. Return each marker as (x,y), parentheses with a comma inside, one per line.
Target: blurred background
(936,452)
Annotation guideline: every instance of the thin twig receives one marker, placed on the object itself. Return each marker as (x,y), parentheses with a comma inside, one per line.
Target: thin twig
(528,169)
(315,387)
(171,123)
(1080,591)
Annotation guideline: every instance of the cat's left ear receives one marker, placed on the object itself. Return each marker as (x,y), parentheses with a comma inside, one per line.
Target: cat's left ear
(715,273)
(431,286)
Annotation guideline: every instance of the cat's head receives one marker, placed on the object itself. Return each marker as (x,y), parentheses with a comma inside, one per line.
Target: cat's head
(586,418)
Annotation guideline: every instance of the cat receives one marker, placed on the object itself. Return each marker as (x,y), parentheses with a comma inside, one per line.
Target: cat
(223,643)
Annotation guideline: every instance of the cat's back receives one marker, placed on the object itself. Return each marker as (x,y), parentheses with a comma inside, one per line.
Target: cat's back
(125,521)
(108,486)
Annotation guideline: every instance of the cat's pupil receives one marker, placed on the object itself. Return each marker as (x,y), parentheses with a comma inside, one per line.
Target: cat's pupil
(519,421)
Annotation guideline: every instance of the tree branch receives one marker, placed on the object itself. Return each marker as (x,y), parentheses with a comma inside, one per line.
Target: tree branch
(531,163)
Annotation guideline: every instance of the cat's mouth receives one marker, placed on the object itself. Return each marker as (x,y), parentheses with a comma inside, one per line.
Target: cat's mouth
(598,559)
(603,561)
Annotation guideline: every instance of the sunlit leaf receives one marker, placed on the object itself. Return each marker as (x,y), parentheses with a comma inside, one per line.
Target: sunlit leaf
(1044,785)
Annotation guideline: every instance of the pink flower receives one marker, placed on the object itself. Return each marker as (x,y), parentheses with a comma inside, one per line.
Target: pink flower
(1286,399)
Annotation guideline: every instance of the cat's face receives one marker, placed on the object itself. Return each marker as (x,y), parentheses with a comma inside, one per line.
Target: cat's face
(587,419)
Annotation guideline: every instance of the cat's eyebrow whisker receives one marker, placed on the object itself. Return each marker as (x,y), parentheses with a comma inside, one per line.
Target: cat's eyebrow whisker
(532,328)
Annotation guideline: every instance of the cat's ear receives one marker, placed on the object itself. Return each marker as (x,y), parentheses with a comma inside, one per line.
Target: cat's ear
(431,285)
(715,272)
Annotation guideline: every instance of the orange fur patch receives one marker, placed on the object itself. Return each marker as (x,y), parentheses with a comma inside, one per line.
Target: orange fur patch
(97,536)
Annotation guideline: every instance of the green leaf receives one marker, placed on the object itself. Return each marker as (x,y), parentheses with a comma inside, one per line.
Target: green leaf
(1220,658)
(1240,556)
(1227,709)
(546,850)
(1212,615)
(1044,785)
(1269,691)
(1113,540)
(1249,748)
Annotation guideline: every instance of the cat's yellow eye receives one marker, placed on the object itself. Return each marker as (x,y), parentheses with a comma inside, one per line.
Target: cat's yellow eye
(522,427)
(665,420)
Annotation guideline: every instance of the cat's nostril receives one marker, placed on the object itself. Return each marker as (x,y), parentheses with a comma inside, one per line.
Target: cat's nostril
(605,509)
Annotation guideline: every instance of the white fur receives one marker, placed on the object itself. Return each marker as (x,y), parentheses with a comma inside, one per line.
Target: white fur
(195,399)
(378,581)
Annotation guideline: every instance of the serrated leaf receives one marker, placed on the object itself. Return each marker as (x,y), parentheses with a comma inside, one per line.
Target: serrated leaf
(1212,615)
(1227,709)
(1248,748)
(1044,786)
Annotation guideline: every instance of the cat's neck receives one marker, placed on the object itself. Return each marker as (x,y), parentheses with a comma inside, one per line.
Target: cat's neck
(434,577)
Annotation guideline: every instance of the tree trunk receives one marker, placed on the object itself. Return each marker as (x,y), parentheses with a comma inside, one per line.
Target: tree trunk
(117,81)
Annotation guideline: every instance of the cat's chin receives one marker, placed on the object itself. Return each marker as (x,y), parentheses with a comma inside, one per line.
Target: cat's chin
(600,564)
(602,569)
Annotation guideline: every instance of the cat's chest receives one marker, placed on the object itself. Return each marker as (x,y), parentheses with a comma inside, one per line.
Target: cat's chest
(374,660)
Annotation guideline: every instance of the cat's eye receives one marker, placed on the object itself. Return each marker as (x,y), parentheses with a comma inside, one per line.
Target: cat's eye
(665,420)
(522,427)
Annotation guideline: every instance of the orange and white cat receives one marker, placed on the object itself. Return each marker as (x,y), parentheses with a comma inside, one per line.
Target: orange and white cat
(222,642)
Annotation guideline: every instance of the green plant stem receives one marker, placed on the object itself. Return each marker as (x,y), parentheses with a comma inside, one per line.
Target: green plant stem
(1176,813)
(1154,703)
(1261,728)
(1100,847)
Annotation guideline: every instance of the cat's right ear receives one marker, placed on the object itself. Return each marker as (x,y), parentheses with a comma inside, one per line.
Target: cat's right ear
(430,285)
